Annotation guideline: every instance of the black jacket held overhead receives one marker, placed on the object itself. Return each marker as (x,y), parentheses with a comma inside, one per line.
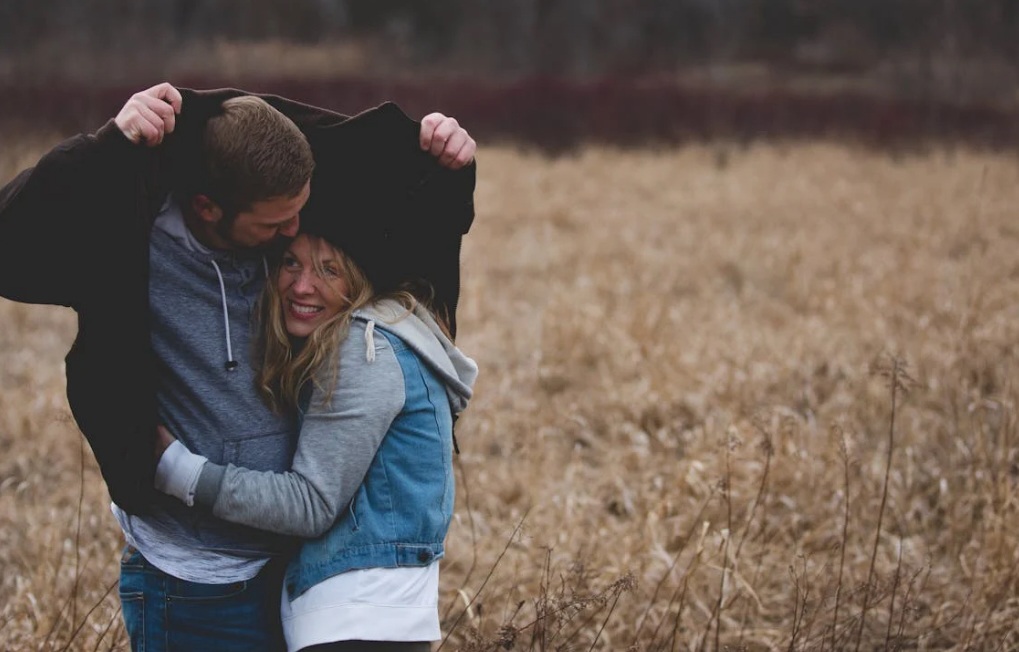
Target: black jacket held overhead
(74,231)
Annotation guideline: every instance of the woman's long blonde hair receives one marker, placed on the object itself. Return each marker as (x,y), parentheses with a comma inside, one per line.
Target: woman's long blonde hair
(286,366)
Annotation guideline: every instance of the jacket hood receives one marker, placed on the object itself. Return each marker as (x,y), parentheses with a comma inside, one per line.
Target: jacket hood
(419,330)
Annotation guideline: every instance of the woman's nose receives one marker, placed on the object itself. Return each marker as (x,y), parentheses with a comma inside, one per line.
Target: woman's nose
(304,283)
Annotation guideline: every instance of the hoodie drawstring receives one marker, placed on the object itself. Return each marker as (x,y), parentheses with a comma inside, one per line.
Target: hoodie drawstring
(231,364)
(369,340)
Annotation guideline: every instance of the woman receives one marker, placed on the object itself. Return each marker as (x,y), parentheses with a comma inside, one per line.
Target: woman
(372,478)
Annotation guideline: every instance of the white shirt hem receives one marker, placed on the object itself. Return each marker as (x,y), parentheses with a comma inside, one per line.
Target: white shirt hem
(364,622)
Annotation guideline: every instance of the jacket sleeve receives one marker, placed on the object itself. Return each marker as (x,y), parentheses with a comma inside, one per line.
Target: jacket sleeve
(425,234)
(337,444)
(45,214)
(445,205)
(448,197)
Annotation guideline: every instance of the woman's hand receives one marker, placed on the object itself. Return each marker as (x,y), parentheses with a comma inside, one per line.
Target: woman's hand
(163,441)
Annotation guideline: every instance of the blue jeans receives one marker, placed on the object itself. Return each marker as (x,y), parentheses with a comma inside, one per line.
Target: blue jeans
(166,614)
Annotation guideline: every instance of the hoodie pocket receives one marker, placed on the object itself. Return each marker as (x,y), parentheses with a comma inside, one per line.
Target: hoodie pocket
(266,452)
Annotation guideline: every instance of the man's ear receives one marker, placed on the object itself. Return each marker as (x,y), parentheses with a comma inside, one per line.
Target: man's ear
(206,209)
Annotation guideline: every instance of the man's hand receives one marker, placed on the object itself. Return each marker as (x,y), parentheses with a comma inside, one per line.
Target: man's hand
(447,140)
(150,114)
(163,441)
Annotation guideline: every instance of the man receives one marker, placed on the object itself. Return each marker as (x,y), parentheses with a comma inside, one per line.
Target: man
(161,251)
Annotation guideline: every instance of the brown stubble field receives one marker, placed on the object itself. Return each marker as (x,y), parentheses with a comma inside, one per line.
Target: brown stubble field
(683,434)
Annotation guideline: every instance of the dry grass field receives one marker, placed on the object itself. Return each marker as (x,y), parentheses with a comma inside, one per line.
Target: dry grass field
(756,399)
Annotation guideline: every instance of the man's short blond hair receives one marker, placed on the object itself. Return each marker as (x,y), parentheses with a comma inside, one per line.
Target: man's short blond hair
(252,152)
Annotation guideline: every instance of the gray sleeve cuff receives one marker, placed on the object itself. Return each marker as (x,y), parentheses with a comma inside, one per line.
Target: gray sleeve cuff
(209,483)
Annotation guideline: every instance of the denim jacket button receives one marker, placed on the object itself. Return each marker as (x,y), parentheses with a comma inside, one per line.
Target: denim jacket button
(424,556)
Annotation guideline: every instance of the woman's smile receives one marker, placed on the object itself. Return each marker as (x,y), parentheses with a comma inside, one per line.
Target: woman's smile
(303,310)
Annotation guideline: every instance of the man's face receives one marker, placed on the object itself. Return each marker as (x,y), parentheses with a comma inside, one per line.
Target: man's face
(265,222)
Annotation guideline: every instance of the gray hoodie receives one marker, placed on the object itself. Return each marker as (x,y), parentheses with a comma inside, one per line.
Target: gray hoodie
(201,306)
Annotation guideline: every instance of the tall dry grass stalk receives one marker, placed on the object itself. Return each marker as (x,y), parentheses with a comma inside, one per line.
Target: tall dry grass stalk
(640,318)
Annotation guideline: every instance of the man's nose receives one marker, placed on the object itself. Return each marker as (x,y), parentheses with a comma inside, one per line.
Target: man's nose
(290,228)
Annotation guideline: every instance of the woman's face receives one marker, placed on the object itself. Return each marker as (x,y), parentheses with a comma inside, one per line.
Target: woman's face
(310,298)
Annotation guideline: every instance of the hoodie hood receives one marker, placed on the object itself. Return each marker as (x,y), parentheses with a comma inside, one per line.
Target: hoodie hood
(419,331)
(170,220)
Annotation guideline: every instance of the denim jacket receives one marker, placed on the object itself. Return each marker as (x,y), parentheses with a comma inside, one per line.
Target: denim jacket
(400,514)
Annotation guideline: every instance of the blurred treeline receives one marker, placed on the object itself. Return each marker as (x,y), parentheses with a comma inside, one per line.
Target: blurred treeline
(551,72)
(559,37)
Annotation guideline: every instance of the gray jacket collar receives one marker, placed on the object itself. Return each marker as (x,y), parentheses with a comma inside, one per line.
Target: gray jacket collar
(422,334)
